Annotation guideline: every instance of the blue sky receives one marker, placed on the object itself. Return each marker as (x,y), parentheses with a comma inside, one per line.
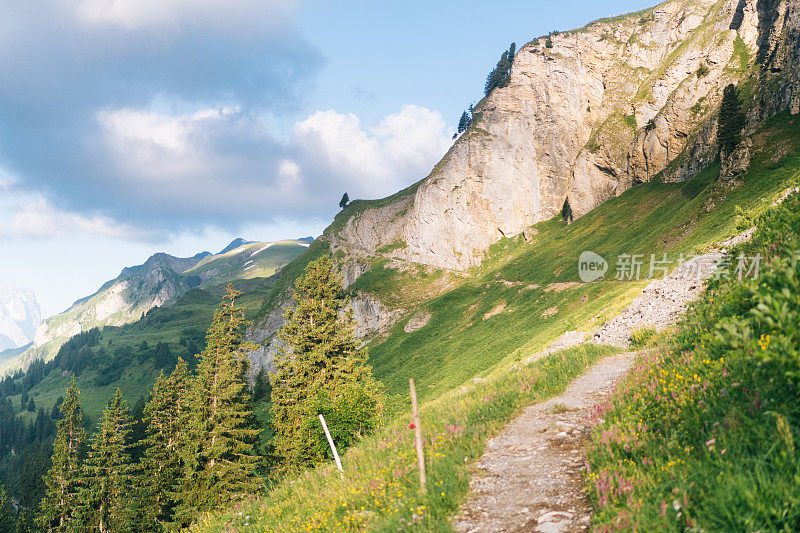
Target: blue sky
(134,126)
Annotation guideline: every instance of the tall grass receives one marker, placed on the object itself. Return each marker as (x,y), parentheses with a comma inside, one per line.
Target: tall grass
(380,489)
(702,436)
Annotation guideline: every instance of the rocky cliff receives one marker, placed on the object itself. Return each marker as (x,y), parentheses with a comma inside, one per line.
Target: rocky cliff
(587,114)
(620,101)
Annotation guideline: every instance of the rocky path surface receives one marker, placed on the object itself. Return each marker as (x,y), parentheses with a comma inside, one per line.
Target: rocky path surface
(530,477)
(661,302)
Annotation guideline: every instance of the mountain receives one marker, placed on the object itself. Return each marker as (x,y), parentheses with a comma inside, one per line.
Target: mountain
(619,102)
(462,278)
(235,243)
(19,317)
(159,280)
(470,274)
(587,115)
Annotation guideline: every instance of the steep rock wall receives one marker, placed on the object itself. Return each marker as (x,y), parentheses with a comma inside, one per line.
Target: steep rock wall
(609,105)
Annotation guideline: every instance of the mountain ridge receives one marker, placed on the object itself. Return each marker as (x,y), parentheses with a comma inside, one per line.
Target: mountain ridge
(160,279)
(19,317)
(482,191)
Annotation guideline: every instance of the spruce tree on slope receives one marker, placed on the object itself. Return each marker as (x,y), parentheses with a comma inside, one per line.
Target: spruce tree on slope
(62,498)
(463,123)
(218,434)
(161,466)
(9,522)
(108,494)
(731,120)
(321,370)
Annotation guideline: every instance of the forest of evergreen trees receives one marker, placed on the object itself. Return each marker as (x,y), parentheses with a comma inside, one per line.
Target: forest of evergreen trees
(193,445)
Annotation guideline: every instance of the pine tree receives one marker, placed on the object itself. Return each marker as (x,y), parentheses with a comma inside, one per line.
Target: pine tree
(8,516)
(62,498)
(463,123)
(218,436)
(160,465)
(107,493)
(261,388)
(731,120)
(320,370)
(344,201)
(501,75)
(566,211)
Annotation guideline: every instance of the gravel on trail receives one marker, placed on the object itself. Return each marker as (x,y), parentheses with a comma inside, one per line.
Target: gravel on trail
(531,476)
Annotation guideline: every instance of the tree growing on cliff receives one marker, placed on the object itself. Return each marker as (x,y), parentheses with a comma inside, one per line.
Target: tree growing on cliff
(731,121)
(321,370)
(463,123)
(344,201)
(218,433)
(501,74)
(62,498)
(566,211)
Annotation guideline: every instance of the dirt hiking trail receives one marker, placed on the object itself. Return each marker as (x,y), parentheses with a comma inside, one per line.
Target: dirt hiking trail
(530,476)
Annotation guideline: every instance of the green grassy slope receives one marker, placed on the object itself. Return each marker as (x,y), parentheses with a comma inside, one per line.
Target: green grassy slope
(701,436)
(485,322)
(118,360)
(137,291)
(464,338)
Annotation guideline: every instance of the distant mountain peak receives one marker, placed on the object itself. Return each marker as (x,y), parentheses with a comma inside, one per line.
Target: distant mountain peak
(19,316)
(235,243)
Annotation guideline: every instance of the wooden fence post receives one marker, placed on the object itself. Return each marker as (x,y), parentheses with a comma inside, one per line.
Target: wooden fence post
(333,446)
(417,435)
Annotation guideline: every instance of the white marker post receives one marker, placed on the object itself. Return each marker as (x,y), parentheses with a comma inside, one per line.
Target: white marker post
(417,435)
(333,446)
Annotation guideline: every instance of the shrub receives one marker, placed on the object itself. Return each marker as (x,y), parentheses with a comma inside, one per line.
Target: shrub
(643,337)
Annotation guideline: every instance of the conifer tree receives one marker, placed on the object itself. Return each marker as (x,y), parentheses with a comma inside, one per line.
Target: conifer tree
(344,201)
(731,120)
(8,516)
(107,494)
(160,465)
(320,370)
(566,211)
(62,498)
(501,75)
(463,123)
(218,433)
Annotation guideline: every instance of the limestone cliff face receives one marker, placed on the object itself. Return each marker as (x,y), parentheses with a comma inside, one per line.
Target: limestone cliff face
(616,103)
(608,106)
(778,89)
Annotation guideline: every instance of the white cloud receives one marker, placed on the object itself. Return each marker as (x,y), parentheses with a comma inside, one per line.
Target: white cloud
(35,217)
(214,159)
(142,14)
(401,149)
(157,146)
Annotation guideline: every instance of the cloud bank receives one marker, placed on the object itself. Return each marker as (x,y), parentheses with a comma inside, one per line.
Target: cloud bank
(133,118)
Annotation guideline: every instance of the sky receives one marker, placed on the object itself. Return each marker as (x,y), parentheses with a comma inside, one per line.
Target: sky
(129,127)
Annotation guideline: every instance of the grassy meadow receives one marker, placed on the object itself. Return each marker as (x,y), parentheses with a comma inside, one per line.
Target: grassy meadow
(483,323)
